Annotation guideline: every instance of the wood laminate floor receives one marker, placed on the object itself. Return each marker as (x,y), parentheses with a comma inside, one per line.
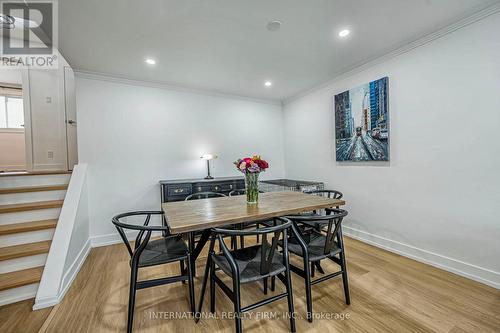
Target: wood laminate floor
(389,293)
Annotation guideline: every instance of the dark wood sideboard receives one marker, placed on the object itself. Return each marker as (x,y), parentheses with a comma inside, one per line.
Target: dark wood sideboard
(179,189)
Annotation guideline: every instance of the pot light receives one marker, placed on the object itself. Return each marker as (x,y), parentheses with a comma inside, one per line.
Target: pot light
(150,61)
(344,33)
(274,25)
(268,83)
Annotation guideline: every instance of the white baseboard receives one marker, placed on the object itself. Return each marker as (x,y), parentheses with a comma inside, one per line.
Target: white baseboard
(67,279)
(110,239)
(74,269)
(473,272)
(49,167)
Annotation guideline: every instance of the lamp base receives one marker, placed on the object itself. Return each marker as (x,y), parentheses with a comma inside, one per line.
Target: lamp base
(209,177)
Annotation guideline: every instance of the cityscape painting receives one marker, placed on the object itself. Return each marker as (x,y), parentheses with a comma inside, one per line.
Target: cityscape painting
(362,123)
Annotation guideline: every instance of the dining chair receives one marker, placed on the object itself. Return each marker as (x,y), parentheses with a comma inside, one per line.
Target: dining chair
(146,253)
(204,195)
(315,246)
(330,194)
(196,234)
(247,265)
(240,191)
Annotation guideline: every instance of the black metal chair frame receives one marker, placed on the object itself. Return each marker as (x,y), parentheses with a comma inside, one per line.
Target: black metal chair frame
(141,242)
(332,194)
(332,223)
(267,253)
(197,234)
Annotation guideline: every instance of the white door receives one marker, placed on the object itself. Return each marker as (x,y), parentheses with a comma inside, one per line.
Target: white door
(70,106)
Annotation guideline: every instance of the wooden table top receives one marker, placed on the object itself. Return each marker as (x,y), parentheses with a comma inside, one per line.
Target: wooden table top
(186,216)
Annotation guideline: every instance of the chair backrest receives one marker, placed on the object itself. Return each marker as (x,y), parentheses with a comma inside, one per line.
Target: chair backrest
(280,228)
(240,191)
(332,219)
(204,195)
(332,194)
(141,240)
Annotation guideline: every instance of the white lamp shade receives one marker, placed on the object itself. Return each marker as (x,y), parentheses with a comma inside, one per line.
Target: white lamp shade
(208,157)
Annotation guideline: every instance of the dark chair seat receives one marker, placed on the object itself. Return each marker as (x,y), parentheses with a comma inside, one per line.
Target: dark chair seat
(313,224)
(146,252)
(248,261)
(162,251)
(315,247)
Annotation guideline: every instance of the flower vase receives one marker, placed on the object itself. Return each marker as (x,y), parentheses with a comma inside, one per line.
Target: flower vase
(252,187)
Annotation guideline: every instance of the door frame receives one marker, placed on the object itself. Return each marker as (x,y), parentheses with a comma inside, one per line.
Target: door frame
(65,114)
(28,135)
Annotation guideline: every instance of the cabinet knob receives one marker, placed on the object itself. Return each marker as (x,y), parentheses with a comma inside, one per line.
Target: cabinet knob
(179,190)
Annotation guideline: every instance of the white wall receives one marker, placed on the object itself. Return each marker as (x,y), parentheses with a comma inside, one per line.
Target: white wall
(132,136)
(437,199)
(10,76)
(12,150)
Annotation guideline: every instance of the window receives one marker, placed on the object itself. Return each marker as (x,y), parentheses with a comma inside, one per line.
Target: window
(11,112)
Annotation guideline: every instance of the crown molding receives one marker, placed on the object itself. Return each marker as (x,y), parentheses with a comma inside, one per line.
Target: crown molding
(411,45)
(168,86)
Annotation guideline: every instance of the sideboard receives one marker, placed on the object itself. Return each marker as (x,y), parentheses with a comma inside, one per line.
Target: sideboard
(179,189)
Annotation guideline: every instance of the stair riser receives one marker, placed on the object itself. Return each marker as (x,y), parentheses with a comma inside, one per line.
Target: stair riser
(18,264)
(18,294)
(33,215)
(38,180)
(16,198)
(26,237)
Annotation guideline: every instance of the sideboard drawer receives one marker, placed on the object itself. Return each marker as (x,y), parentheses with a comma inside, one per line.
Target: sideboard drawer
(201,188)
(224,187)
(180,189)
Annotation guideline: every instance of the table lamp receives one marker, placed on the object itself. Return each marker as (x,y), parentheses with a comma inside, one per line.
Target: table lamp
(208,158)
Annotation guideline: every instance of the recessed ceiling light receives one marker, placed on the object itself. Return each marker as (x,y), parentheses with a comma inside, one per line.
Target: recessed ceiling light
(268,83)
(150,61)
(344,33)
(274,25)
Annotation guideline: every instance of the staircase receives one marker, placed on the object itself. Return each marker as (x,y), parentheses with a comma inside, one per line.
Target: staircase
(30,204)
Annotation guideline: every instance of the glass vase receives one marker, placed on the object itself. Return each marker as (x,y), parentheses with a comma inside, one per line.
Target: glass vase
(252,187)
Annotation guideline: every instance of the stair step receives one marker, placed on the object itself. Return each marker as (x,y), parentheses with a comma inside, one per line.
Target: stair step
(20,278)
(22,207)
(24,250)
(34,173)
(26,189)
(15,228)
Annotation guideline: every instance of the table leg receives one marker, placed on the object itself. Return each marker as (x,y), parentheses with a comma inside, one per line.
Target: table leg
(205,235)
(195,251)
(205,277)
(191,252)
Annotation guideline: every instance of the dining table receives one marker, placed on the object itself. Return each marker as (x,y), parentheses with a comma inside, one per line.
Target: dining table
(190,217)
(201,215)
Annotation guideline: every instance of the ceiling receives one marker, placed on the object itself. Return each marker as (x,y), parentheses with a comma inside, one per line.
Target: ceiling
(224,46)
